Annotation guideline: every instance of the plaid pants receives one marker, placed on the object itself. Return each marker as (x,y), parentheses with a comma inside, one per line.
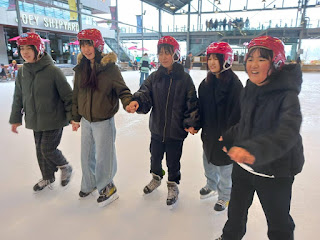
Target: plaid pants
(49,157)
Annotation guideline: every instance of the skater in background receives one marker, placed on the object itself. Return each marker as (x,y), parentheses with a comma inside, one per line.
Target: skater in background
(98,85)
(219,96)
(188,63)
(145,67)
(170,94)
(266,144)
(3,74)
(44,96)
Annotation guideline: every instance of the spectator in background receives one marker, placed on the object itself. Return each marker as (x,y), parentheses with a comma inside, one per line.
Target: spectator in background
(13,69)
(3,73)
(188,63)
(144,68)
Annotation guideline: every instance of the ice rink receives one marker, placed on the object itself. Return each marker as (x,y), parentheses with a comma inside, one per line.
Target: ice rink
(59,214)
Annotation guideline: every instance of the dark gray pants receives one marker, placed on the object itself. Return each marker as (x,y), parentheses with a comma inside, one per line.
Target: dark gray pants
(49,157)
(173,150)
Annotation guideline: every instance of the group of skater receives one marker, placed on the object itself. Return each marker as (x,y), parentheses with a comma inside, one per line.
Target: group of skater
(250,135)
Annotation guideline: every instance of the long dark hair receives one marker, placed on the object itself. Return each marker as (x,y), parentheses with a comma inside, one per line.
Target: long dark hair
(225,76)
(34,49)
(169,48)
(89,76)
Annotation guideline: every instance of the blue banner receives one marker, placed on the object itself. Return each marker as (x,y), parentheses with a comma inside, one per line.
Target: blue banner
(139,23)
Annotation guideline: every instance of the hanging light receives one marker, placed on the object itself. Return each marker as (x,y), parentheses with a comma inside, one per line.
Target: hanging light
(172,7)
(167,4)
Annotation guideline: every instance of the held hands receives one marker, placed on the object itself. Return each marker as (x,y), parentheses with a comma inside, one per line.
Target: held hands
(132,107)
(191,130)
(241,155)
(15,126)
(75,125)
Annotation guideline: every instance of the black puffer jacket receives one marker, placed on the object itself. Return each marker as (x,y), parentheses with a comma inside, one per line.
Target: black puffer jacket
(219,110)
(173,100)
(270,124)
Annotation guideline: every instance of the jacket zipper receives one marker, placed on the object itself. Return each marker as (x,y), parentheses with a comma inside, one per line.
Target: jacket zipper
(165,113)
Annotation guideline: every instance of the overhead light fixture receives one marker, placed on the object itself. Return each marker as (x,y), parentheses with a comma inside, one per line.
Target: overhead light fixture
(167,4)
(172,7)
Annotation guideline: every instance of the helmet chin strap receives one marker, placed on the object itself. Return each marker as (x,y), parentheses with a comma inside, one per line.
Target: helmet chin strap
(224,68)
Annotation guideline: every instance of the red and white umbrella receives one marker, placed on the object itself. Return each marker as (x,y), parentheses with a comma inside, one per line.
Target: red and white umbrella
(132,48)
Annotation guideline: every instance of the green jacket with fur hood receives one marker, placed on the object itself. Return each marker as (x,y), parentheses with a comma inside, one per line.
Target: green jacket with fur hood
(103,103)
(43,94)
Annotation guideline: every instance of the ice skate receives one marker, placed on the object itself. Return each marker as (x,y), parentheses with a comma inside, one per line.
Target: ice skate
(66,173)
(154,183)
(42,184)
(173,192)
(107,195)
(85,194)
(221,205)
(206,192)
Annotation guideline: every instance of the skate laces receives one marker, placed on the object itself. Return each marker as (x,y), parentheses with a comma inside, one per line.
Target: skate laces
(172,192)
(222,203)
(43,183)
(153,184)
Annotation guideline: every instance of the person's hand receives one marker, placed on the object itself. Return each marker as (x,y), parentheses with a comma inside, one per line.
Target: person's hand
(15,126)
(241,155)
(132,107)
(191,130)
(75,125)
(224,148)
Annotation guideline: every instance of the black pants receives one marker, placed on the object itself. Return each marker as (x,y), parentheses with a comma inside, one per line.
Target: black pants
(173,150)
(275,197)
(49,157)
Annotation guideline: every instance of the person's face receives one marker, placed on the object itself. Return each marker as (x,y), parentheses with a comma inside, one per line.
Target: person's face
(27,53)
(258,68)
(88,51)
(213,63)
(166,58)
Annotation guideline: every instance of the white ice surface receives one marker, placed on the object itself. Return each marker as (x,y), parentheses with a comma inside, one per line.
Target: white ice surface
(59,214)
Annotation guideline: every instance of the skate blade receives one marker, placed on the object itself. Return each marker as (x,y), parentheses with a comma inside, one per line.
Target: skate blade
(109,200)
(172,206)
(46,189)
(208,196)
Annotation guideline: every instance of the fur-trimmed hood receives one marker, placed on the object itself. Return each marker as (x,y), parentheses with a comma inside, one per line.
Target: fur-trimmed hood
(107,58)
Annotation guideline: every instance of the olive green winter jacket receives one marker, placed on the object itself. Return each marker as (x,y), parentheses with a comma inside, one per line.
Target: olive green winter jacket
(103,103)
(43,95)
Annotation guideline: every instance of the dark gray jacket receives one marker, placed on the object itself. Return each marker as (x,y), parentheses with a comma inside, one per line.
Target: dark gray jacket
(43,94)
(173,100)
(270,123)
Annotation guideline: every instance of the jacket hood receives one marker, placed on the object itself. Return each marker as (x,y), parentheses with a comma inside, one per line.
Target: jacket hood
(177,71)
(44,61)
(289,78)
(107,58)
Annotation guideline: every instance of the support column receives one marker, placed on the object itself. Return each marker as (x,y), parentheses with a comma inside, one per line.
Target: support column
(3,50)
(188,28)
(160,20)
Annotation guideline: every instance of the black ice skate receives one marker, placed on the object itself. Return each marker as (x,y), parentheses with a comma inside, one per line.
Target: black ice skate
(154,183)
(66,173)
(85,194)
(107,195)
(42,184)
(173,192)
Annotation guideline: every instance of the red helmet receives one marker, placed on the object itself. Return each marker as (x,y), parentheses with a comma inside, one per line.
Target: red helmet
(31,38)
(221,48)
(171,41)
(273,44)
(94,35)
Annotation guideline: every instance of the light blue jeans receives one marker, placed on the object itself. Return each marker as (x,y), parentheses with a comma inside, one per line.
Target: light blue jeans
(143,76)
(98,154)
(218,178)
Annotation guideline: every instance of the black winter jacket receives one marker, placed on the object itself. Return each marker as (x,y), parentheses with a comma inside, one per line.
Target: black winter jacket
(173,100)
(219,110)
(270,123)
